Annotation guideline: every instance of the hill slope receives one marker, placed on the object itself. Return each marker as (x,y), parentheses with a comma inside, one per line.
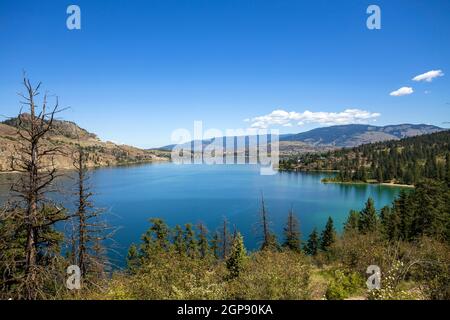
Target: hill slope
(66,134)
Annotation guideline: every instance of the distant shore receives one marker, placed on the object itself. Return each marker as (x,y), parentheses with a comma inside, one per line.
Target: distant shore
(388,184)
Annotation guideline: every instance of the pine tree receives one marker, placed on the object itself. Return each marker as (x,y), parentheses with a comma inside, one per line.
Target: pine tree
(178,240)
(390,223)
(203,244)
(215,245)
(368,221)
(160,232)
(133,258)
(269,238)
(292,233)
(328,236)
(190,242)
(236,258)
(447,169)
(312,245)
(351,225)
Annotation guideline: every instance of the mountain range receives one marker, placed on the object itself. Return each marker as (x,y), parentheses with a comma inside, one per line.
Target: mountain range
(341,136)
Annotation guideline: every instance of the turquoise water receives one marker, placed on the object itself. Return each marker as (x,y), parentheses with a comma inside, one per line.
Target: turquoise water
(194,193)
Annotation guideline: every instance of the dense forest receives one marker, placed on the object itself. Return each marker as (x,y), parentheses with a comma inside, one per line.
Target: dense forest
(405,161)
(409,240)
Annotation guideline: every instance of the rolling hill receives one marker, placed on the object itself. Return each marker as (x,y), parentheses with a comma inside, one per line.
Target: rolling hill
(66,135)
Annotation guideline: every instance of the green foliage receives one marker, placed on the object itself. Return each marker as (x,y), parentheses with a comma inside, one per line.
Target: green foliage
(178,241)
(190,241)
(328,236)
(352,223)
(236,259)
(292,233)
(368,219)
(272,275)
(312,245)
(344,285)
(405,161)
(390,289)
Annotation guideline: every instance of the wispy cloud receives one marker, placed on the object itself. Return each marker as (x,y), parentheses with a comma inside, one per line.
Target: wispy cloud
(402,92)
(284,118)
(429,76)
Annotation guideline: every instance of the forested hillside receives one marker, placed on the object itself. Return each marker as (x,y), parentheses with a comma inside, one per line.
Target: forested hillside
(405,161)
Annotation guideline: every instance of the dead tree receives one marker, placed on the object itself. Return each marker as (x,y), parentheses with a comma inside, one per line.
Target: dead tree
(225,239)
(91,231)
(34,160)
(268,237)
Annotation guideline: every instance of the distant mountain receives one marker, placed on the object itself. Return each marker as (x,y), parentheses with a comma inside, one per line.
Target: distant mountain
(353,135)
(66,135)
(342,136)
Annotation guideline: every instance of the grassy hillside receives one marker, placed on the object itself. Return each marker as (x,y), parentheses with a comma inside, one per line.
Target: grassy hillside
(66,135)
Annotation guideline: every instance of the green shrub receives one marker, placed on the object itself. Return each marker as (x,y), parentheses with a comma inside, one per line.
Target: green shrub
(343,285)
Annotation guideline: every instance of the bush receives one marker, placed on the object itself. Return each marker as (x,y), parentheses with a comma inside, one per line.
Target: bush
(272,275)
(343,285)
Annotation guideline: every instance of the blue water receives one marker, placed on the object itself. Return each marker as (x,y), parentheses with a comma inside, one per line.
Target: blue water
(194,193)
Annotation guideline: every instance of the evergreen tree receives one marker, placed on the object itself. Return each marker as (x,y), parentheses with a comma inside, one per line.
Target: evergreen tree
(390,223)
(447,169)
(178,240)
(236,258)
(431,210)
(312,245)
(269,238)
(368,221)
(351,225)
(292,233)
(203,244)
(215,245)
(328,236)
(190,242)
(133,258)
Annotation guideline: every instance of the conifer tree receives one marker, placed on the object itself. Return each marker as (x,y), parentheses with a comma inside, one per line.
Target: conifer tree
(215,240)
(312,245)
(133,258)
(269,241)
(368,221)
(203,244)
(178,240)
(351,225)
(190,241)
(292,233)
(328,236)
(236,258)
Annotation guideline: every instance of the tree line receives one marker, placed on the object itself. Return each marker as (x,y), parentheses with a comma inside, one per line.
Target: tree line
(405,161)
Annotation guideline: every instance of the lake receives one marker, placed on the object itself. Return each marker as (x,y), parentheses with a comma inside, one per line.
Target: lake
(199,193)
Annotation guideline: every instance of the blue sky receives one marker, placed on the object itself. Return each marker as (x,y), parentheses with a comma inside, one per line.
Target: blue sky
(137,70)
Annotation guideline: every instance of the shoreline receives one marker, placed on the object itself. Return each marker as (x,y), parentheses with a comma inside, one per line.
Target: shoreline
(100,167)
(386,184)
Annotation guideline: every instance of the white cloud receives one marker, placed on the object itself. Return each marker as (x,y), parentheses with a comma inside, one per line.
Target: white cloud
(402,92)
(429,76)
(284,118)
